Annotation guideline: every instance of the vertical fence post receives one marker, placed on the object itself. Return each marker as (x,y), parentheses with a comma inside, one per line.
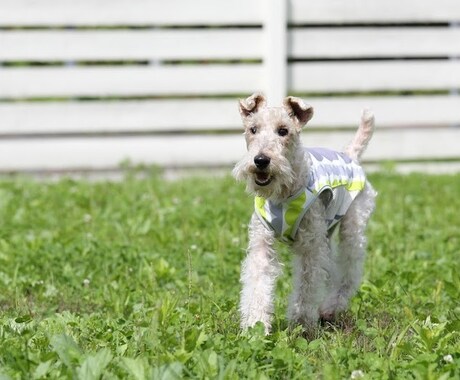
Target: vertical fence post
(275,58)
(454,58)
(455,91)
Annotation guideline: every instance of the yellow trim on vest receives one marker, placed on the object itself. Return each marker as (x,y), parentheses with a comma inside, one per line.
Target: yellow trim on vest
(355,186)
(350,186)
(259,204)
(292,213)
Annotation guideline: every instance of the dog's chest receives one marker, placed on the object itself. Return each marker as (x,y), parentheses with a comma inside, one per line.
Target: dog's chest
(333,179)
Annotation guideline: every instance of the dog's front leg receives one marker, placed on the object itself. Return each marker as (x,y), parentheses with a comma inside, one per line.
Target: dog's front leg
(258,277)
(312,268)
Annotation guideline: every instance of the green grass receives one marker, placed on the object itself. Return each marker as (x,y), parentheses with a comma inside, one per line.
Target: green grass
(139,279)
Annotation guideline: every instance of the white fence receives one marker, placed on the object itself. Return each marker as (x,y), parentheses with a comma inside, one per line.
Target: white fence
(87,84)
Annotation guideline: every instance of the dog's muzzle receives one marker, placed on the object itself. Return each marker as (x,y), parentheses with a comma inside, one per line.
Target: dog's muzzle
(262,176)
(262,161)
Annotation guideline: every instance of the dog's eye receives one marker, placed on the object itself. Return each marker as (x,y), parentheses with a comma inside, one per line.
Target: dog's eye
(282,131)
(253,130)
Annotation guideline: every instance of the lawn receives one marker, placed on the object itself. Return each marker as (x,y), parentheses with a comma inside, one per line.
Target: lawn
(139,279)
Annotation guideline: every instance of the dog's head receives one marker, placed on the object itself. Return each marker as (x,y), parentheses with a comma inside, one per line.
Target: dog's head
(272,139)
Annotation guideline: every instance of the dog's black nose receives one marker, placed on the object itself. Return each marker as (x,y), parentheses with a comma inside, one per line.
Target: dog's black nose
(261,161)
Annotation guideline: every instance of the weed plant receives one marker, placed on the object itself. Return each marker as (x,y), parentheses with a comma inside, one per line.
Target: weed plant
(139,279)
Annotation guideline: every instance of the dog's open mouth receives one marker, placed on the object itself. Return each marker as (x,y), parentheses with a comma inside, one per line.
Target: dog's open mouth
(262,178)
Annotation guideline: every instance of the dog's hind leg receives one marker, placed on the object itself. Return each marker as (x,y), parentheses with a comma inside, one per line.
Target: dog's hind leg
(351,253)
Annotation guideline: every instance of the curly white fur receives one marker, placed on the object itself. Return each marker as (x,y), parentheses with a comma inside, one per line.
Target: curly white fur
(324,280)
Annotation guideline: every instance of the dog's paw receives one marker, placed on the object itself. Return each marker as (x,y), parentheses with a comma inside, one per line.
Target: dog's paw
(327,316)
(305,316)
(251,322)
(331,307)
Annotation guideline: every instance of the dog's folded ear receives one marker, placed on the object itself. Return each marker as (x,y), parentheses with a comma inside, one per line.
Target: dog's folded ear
(298,110)
(252,104)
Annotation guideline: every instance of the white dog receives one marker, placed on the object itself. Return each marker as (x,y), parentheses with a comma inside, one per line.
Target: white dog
(301,195)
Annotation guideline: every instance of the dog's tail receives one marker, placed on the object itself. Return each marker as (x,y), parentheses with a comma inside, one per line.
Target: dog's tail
(362,137)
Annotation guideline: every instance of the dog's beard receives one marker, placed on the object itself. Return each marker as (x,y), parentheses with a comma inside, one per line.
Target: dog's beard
(280,173)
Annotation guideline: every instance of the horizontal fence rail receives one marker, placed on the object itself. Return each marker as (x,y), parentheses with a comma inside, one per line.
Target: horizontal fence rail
(213,115)
(86,85)
(375,76)
(209,12)
(48,13)
(103,153)
(130,44)
(378,12)
(374,42)
(226,44)
(130,81)
(226,79)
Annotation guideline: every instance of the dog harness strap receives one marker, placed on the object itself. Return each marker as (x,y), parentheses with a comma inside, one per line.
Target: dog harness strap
(329,171)
(284,218)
